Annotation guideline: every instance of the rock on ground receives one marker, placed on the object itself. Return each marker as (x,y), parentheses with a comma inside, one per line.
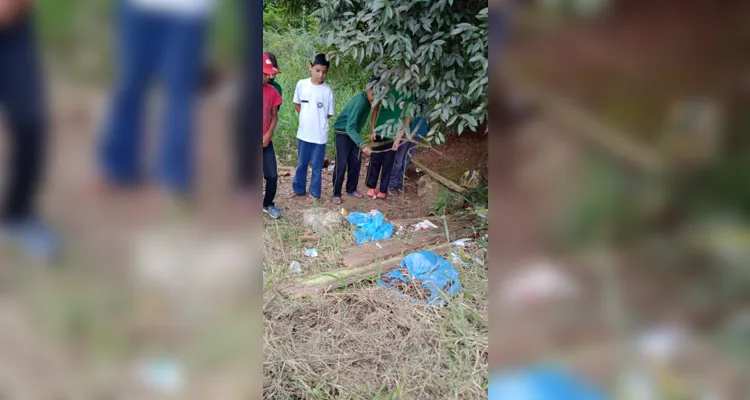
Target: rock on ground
(322,220)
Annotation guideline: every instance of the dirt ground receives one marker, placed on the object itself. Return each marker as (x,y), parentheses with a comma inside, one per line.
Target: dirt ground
(365,341)
(94,313)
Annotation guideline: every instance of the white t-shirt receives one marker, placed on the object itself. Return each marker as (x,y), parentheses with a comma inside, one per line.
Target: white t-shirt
(191,8)
(317,103)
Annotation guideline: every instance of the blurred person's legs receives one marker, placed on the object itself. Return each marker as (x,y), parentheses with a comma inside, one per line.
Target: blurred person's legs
(317,157)
(304,155)
(140,43)
(23,100)
(183,53)
(271,175)
(403,155)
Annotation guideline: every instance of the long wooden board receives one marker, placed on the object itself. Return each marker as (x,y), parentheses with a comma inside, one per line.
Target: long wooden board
(370,252)
(324,282)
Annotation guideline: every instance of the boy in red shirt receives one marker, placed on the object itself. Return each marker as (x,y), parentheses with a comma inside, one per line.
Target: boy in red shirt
(271,101)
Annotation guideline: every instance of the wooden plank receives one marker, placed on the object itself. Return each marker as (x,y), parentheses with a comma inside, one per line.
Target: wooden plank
(325,282)
(369,252)
(443,180)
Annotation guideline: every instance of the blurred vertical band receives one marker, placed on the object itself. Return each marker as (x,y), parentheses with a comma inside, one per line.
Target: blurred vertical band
(248,153)
(247,137)
(512,227)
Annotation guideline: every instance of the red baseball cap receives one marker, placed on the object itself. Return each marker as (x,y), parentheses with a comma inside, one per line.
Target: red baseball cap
(268,67)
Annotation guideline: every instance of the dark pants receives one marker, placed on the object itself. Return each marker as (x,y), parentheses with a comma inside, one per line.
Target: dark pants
(248,113)
(404,154)
(270,174)
(309,154)
(151,44)
(381,164)
(347,162)
(23,103)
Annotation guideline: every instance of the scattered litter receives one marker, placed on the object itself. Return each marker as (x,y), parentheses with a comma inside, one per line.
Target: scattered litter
(462,242)
(311,252)
(331,168)
(400,230)
(539,281)
(420,271)
(419,171)
(163,375)
(541,383)
(478,260)
(371,227)
(470,179)
(379,246)
(344,213)
(457,258)
(423,226)
(295,267)
(664,343)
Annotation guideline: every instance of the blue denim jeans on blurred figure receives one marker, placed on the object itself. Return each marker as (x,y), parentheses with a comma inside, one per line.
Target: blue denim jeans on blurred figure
(309,154)
(171,47)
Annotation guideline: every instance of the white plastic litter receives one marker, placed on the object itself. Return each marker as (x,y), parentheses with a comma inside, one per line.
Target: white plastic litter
(457,259)
(462,242)
(400,231)
(311,252)
(664,343)
(164,376)
(538,281)
(295,267)
(423,226)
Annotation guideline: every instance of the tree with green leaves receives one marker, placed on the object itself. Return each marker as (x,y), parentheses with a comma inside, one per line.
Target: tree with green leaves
(430,50)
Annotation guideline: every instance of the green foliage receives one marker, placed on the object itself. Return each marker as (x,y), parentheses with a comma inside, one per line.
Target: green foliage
(292,9)
(432,50)
(282,16)
(718,188)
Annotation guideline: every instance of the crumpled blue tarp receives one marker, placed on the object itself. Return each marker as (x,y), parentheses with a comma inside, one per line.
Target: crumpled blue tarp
(370,228)
(434,272)
(541,383)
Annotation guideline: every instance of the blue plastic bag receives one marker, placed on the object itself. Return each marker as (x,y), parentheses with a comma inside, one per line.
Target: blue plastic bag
(434,272)
(370,228)
(541,383)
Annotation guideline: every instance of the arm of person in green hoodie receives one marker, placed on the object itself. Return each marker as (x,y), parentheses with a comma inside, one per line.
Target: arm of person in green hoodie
(353,128)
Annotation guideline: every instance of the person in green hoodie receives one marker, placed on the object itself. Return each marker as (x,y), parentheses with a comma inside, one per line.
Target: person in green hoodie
(349,142)
(384,131)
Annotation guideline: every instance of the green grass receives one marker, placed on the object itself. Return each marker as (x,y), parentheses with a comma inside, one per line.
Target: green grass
(293,50)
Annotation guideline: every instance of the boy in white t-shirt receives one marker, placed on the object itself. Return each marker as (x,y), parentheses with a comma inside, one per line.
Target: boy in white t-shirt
(314,102)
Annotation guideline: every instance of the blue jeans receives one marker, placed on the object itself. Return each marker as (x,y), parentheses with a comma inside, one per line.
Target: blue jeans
(404,154)
(149,44)
(309,153)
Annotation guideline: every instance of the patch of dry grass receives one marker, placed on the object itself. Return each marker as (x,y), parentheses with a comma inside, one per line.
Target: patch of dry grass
(367,342)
